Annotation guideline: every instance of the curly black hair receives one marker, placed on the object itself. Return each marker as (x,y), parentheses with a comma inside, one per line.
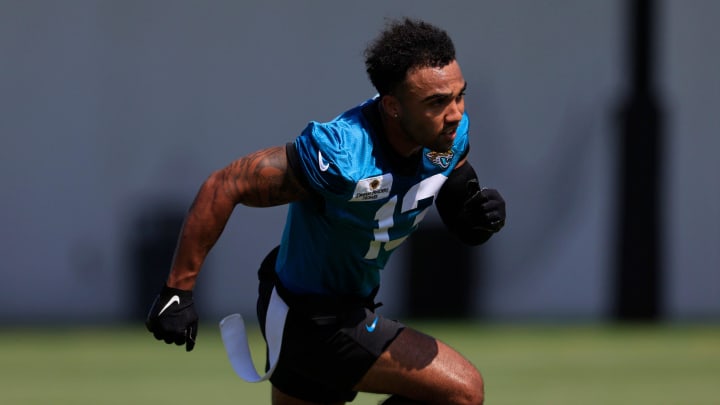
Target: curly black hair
(404,45)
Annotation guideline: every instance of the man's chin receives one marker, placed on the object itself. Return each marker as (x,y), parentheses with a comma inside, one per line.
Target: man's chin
(444,146)
(441,149)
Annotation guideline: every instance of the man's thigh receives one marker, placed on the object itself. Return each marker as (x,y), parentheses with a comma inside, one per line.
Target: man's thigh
(419,367)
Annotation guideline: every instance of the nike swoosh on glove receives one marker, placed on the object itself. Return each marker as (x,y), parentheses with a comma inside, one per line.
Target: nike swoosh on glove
(173,318)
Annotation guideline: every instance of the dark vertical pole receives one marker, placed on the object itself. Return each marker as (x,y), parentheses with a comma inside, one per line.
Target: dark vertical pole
(638,278)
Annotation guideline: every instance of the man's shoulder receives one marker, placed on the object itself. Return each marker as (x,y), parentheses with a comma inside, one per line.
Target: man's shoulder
(334,154)
(351,120)
(343,134)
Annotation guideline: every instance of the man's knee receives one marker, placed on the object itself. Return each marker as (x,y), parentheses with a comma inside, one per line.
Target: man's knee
(473,392)
(398,400)
(470,392)
(471,396)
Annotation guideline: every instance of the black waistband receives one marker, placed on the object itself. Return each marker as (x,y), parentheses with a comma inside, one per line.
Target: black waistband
(313,303)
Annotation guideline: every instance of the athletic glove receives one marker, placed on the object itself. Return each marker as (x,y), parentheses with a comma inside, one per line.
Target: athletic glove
(172,317)
(484,208)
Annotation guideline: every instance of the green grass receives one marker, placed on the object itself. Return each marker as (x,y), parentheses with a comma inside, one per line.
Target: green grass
(521,364)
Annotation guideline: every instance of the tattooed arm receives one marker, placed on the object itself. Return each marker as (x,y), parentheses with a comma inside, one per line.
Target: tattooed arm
(261,179)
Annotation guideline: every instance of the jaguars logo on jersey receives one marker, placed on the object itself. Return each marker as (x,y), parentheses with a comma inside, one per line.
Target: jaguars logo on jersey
(441,159)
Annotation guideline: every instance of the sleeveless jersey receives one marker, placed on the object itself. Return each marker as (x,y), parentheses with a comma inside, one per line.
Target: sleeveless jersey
(365,205)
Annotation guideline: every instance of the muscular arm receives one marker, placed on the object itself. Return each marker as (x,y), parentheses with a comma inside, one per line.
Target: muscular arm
(261,179)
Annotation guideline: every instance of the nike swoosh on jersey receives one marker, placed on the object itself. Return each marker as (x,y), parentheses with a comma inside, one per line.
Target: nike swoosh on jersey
(323,165)
(174,299)
(371,328)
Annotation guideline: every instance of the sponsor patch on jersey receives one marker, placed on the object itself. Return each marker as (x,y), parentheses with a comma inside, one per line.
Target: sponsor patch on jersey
(373,188)
(441,159)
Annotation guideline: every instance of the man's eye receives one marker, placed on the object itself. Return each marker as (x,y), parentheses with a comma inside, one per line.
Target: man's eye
(440,101)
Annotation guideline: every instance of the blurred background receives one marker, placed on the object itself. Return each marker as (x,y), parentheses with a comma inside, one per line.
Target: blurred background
(597,120)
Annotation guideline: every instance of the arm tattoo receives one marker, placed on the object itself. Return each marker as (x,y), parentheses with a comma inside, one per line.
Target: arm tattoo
(262,179)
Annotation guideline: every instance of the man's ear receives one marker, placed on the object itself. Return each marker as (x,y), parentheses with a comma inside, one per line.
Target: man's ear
(391,105)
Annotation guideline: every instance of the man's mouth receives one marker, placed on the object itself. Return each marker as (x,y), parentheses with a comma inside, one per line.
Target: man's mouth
(449,131)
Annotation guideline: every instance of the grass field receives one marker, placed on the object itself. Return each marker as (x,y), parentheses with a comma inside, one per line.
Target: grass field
(522,364)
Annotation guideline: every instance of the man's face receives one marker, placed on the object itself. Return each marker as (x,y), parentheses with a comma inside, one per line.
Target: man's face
(431,105)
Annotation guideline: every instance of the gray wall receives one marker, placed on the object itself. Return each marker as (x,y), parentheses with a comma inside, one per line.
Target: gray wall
(114,110)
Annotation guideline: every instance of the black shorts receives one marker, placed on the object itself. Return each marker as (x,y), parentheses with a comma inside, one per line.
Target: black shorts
(327,345)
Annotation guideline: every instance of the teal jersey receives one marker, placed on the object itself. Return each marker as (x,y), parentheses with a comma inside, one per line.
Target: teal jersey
(367,201)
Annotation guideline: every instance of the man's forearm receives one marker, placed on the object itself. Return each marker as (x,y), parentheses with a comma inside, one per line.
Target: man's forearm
(203,225)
